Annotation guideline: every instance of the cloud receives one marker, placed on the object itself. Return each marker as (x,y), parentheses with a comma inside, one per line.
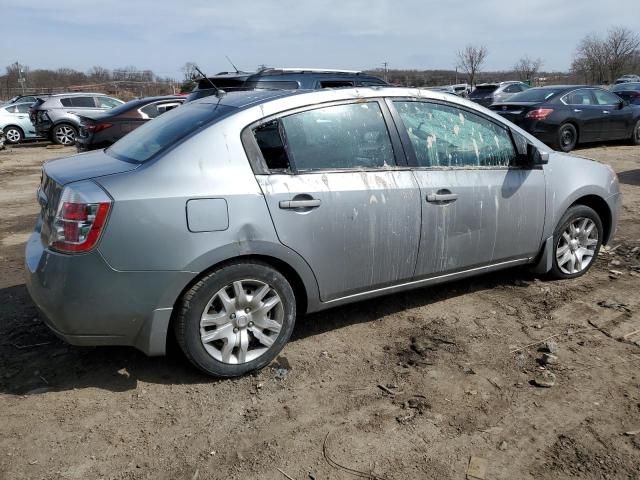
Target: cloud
(330,33)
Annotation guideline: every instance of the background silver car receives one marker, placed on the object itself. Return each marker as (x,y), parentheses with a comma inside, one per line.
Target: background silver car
(487,93)
(14,120)
(225,219)
(57,116)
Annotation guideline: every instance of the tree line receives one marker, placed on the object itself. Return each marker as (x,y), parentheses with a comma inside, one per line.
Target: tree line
(128,81)
(597,59)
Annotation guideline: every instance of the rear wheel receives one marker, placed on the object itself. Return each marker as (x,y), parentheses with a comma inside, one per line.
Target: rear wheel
(577,241)
(64,134)
(236,319)
(13,134)
(635,134)
(567,137)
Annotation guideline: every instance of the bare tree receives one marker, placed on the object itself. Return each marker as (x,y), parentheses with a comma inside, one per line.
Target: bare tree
(603,60)
(527,68)
(471,59)
(622,44)
(189,71)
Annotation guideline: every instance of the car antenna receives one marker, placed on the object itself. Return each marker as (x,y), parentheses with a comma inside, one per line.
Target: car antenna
(232,64)
(219,92)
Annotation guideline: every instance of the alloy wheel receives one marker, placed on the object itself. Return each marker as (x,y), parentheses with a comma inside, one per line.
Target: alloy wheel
(65,135)
(567,138)
(13,135)
(241,321)
(577,245)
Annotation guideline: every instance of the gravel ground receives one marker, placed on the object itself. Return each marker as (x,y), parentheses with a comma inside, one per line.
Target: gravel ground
(407,386)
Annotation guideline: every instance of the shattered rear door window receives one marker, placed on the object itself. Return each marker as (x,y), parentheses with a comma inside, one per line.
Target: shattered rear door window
(445,136)
(338,137)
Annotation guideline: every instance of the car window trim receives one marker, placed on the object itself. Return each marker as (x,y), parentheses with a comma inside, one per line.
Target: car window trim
(590,90)
(259,165)
(409,149)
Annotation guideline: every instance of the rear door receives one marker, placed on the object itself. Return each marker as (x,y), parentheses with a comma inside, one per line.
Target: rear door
(340,196)
(479,207)
(589,115)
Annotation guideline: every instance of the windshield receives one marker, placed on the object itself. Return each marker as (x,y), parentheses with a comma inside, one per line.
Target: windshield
(626,86)
(536,95)
(166,130)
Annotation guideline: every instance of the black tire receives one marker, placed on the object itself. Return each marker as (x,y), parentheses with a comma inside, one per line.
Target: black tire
(574,213)
(13,134)
(193,303)
(567,137)
(64,134)
(635,134)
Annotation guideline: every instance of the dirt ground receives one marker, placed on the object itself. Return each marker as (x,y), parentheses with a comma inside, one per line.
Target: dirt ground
(404,387)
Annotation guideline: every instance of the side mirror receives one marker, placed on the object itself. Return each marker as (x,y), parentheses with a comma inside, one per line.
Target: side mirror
(536,156)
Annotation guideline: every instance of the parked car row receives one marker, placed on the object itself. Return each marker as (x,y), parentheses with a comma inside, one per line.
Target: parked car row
(565,116)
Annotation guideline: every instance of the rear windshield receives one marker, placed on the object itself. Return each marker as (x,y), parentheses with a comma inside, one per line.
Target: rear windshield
(626,86)
(484,89)
(536,94)
(165,131)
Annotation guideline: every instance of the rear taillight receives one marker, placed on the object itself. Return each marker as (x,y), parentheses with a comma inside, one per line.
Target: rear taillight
(81,216)
(98,127)
(539,113)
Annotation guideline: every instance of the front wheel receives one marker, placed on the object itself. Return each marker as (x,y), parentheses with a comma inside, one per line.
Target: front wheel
(567,137)
(64,134)
(577,241)
(13,135)
(236,319)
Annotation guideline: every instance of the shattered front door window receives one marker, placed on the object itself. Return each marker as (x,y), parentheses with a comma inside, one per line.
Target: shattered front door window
(444,136)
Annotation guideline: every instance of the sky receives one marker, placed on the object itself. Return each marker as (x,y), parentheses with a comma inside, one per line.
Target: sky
(350,34)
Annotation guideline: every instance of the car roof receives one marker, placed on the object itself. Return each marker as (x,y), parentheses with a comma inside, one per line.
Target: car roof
(253,98)
(77,94)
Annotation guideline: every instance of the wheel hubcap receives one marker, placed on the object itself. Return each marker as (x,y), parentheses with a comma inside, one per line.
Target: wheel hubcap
(577,246)
(13,135)
(567,137)
(65,135)
(241,321)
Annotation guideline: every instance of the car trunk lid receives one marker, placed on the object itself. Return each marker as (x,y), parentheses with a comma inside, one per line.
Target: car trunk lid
(84,166)
(514,111)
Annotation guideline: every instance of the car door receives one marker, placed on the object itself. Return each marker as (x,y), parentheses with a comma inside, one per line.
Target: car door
(22,119)
(589,116)
(339,195)
(479,207)
(619,117)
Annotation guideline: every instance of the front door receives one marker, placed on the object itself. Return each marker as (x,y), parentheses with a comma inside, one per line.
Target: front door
(619,117)
(339,198)
(479,206)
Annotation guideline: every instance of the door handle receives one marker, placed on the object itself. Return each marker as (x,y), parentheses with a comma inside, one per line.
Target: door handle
(606,111)
(311,203)
(442,197)
(577,110)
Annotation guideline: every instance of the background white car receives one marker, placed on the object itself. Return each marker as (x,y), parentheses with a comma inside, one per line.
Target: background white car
(14,121)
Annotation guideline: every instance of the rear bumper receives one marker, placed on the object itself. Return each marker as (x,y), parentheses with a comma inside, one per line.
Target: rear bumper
(86,302)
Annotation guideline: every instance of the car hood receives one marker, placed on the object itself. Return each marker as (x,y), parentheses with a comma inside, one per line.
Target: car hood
(86,165)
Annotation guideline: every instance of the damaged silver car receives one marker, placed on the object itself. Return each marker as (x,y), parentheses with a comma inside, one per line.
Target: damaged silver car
(226,219)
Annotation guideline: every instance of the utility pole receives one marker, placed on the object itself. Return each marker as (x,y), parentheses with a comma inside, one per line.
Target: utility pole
(385,64)
(21,79)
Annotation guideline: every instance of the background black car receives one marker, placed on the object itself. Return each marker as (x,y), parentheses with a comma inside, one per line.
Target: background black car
(285,79)
(103,129)
(563,116)
(629,91)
